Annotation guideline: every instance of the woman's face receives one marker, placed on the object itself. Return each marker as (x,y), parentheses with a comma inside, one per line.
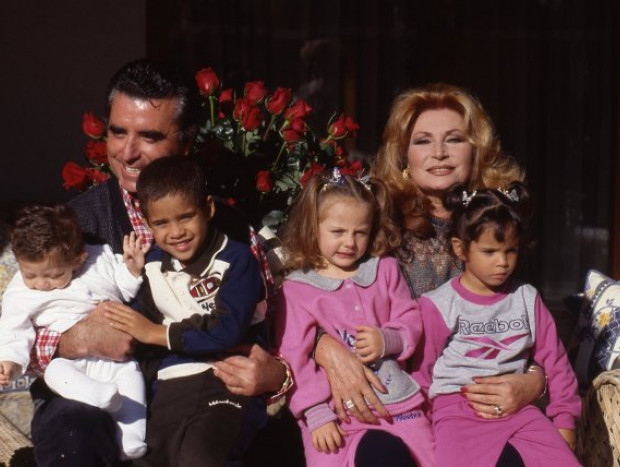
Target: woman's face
(440,153)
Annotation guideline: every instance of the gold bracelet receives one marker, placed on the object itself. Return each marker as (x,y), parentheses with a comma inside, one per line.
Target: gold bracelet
(537,369)
(286,385)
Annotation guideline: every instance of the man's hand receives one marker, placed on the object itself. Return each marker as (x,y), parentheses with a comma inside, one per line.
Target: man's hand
(94,337)
(350,380)
(256,374)
(133,253)
(328,438)
(369,343)
(8,372)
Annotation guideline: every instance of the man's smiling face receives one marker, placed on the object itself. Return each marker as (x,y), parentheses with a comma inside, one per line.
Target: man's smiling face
(139,132)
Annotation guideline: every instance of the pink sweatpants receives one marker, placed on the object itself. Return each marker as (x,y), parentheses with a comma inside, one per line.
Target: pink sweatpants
(463,438)
(413,427)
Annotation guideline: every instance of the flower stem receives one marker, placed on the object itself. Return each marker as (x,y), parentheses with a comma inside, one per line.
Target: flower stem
(212,105)
(273,119)
(275,163)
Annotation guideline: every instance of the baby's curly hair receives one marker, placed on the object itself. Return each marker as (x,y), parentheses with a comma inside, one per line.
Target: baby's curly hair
(40,230)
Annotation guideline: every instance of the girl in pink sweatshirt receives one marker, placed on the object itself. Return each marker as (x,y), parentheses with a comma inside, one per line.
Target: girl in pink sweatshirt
(334,239)
(485,323)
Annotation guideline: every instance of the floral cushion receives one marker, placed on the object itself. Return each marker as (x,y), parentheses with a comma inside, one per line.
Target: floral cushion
(599,327)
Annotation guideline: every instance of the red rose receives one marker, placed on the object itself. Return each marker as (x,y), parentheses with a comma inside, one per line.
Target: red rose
(207,81)
(248,114)
(279,100)
(92,125)
(299,109)
(310,172)
(252,119)
(353,169)
(96,152)
(343,127)
(226,101)
(241,106)
(294,130)
(255,91)
(97,177)
(263,181)
(75,176)
(226,96)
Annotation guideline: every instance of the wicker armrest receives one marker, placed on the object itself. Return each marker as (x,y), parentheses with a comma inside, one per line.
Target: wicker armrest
(598,432)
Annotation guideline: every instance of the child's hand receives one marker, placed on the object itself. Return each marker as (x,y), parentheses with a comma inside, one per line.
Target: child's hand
(328,438)
(133,323)
(8,372)
(369,343)
(133,253)
(569,436)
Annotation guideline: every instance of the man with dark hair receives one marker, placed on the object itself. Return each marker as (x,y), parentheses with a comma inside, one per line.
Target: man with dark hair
(152,111)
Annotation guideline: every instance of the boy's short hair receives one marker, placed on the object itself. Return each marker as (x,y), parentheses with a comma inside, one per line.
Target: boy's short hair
(40,230)
(174,175)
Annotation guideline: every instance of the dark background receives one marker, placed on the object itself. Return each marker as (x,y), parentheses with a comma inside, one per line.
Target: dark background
(546,71)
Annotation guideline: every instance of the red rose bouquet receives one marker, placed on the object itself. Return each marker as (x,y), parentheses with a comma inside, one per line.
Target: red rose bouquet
(261,150)
(257,147)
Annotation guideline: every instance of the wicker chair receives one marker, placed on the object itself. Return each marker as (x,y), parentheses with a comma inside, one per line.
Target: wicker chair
(598,433)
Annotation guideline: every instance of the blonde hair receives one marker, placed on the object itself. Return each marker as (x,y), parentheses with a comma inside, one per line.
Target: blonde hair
(300,232)
(491,167)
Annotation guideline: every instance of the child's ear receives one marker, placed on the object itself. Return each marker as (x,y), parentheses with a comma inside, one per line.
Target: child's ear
(79,261)
(457,247)
(210,207)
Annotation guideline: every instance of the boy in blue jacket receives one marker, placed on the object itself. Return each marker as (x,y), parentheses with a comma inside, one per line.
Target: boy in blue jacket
(204,296)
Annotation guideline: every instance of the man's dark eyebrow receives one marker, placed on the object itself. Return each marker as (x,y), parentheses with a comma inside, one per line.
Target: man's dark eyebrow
(152,134)
(116,129)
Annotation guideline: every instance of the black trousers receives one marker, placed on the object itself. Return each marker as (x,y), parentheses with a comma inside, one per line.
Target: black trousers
(193,421)
(69,433)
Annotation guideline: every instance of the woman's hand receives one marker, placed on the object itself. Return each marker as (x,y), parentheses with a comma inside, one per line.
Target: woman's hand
(350,380)
(496,396)
(256,374)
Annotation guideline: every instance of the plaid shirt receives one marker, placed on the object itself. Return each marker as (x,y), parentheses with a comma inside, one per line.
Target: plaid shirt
(136,218)
(43,351)
(47,341)
(259,252)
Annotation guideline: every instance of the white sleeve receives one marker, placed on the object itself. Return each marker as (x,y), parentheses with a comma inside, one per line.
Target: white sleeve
(17,334)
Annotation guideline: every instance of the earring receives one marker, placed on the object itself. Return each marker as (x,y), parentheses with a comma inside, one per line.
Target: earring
(405,173)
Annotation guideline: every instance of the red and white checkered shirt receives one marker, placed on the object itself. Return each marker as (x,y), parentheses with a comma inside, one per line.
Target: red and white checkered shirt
(259,253)
(136,218)
(43,351)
